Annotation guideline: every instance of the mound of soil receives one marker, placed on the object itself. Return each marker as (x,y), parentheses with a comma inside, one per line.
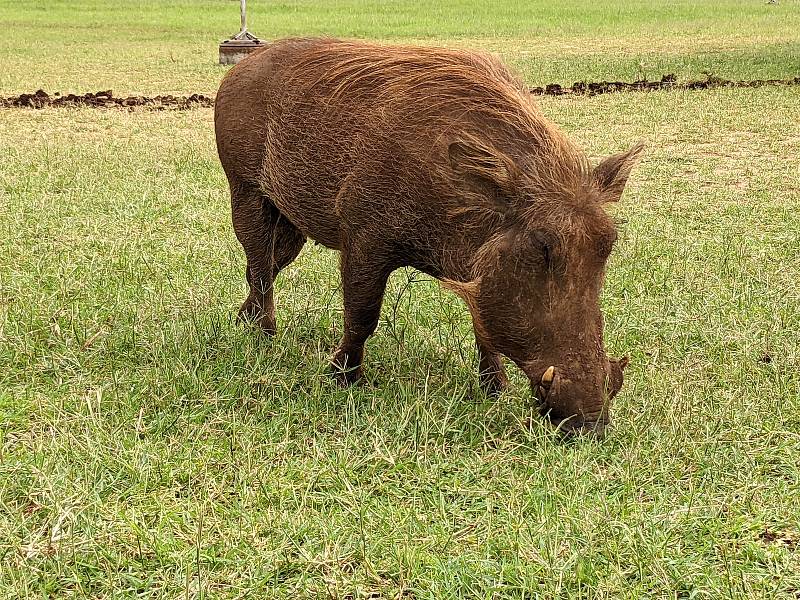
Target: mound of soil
(667,82)
(41,99)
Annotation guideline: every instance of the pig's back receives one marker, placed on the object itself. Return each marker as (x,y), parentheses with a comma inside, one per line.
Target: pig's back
(320,117)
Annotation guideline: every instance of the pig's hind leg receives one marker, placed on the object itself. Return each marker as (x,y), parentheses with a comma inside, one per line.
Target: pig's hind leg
(364,276)
(270,243)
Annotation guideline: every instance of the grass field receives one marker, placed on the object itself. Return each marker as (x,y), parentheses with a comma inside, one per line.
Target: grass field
(149,447)
(154,46)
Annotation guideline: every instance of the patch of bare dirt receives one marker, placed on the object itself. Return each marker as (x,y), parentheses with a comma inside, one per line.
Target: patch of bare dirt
(789,539)
(106,99)
(667,82)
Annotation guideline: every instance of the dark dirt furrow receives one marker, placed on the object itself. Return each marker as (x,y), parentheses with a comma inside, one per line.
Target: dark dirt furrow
(667,82)
(41,99)
(106,99)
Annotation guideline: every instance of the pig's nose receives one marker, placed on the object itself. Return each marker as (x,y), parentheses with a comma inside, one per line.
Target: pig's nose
(573,429)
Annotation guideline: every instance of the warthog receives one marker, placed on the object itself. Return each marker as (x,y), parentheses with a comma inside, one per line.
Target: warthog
(439,160)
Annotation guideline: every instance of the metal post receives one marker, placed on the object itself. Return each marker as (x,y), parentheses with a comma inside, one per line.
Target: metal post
(240,45)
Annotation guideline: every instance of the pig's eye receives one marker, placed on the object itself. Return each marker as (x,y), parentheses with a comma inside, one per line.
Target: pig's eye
(547,246)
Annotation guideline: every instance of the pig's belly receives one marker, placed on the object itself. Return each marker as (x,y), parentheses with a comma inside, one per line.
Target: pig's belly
(309,206)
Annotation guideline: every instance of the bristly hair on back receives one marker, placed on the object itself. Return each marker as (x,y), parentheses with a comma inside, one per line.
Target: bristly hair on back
(463,94)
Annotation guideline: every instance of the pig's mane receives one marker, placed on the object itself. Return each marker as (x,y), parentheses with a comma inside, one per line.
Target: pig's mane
(464,94)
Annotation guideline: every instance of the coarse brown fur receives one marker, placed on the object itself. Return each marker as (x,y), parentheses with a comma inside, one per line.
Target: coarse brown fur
(436,159)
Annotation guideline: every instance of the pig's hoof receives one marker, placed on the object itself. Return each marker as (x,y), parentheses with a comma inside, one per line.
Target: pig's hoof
(252,314)
(494,387)
(495,384)
(343,374)
(345,378)
(346,364)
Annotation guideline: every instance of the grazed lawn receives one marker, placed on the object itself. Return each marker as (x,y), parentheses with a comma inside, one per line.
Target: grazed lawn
(149,447)
(152,46)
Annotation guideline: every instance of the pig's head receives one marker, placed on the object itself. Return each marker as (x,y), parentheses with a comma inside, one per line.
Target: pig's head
(536,282)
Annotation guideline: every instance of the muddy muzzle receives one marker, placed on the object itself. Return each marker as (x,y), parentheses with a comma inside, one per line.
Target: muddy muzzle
(550,393)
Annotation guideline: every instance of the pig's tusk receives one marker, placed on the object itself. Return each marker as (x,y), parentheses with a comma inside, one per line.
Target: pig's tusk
(547,378)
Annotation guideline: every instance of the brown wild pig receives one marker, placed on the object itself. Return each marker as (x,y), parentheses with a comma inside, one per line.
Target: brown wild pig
(437,159)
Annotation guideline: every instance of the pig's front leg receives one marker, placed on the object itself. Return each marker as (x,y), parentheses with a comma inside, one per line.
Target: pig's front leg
(491,372)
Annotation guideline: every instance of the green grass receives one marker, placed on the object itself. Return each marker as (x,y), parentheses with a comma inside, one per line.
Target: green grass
(150,447)
(152,46)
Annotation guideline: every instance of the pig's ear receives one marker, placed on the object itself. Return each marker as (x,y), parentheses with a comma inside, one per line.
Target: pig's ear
(484,171)
(612,174)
